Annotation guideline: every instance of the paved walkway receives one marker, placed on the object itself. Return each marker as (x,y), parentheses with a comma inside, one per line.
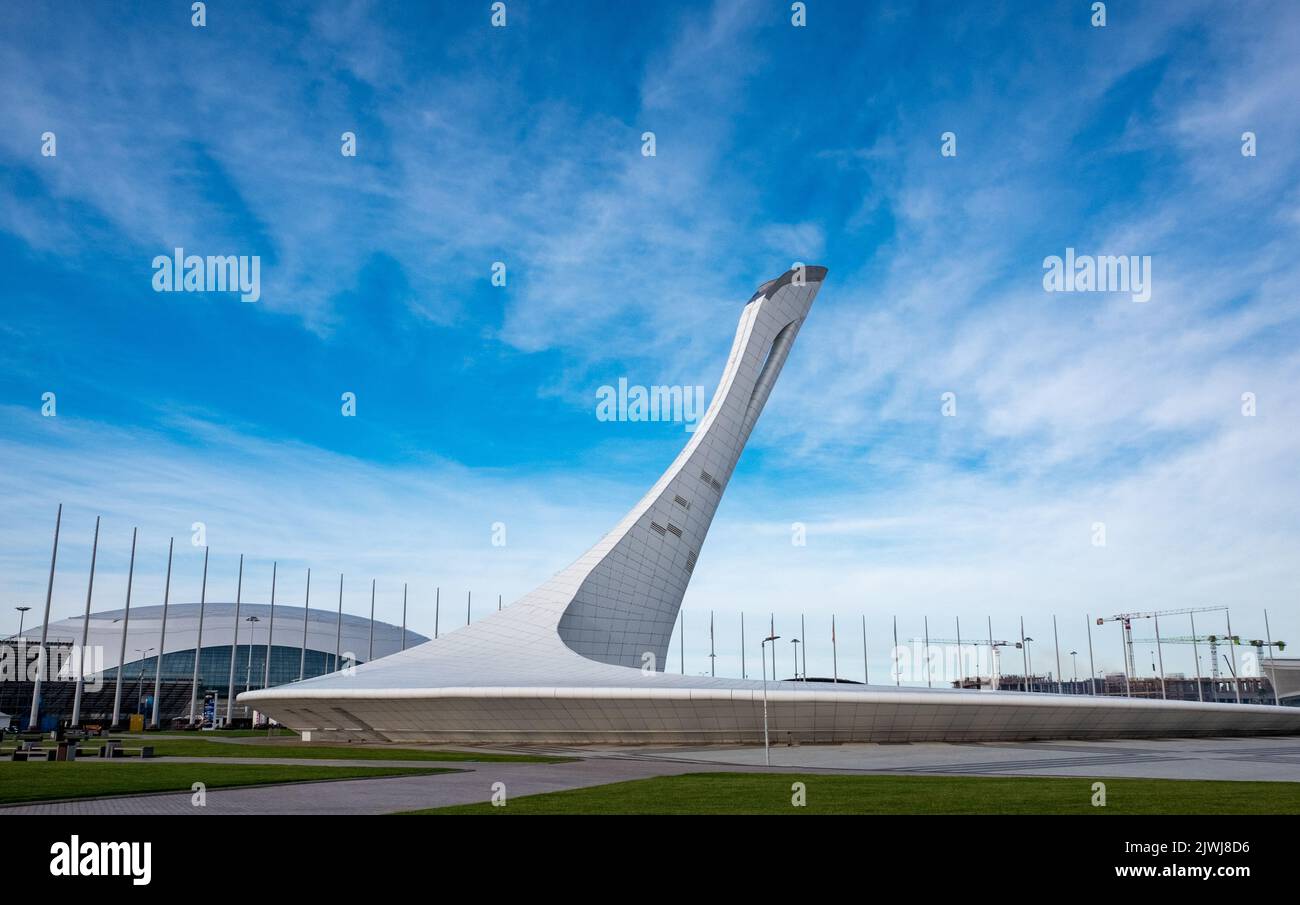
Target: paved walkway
(1276,759)
(1245,759)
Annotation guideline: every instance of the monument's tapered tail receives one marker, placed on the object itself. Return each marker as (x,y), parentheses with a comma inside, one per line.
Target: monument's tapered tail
(580,659)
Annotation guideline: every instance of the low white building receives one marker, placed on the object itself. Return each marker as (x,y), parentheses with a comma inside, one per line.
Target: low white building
(330,641)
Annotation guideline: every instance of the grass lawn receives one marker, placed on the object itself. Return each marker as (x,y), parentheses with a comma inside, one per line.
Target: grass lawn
(201,747)
(755,793)
(44,781)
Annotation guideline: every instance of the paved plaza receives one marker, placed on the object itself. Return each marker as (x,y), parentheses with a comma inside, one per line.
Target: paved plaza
(1271,759)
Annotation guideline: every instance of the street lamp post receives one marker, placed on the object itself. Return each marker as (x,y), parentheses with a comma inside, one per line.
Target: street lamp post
(22,614)
(1024,653)
(252,630)
(767,756)
(1074,666)
(139,685)
(795,642)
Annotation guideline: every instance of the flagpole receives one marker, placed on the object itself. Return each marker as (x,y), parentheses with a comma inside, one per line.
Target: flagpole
(866,676)
(898,677)
(835,661)
(743,673)
(85,631)
(928,683)
(198,646)
(803,636)
(306,615)
(234,645)
(713,654)
(270,631)
(162,637)
(126,620)
(32,722)
(960,667)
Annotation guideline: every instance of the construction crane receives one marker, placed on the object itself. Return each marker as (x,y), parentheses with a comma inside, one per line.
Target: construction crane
(1213,641)
(1126,619)
(989,643)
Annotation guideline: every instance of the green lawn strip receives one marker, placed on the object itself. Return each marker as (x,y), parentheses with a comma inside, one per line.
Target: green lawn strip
(49,781)
(198,747)
(757,793)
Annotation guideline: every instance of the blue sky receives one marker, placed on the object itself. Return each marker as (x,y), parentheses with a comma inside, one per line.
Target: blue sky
(476,404)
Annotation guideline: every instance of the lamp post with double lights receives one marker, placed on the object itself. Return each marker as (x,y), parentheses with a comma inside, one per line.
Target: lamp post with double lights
(767,756)
(252,630)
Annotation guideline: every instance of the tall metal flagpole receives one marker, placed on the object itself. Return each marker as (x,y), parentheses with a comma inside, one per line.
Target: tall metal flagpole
(306,617)
(1196,652)
(121,656)
(866,676)
(403,615)
(713,653)
(1024,651)
(960,678)
(804,654)
(1056,641)
(1161,655)
(1123,651)
(928,683)
(803,637)
(835,658)
(771,630)
(270,631)
(338,628)
(198,648)
(162,637)
(898,675)
(1092,670)
(1232,649)
(993,657)
(743,673)
(370,654)
(85,631)
(234,644)
(1272,671)
(45,627)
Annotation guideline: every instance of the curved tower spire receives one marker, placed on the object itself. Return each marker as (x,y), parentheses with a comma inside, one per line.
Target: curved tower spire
(628,588)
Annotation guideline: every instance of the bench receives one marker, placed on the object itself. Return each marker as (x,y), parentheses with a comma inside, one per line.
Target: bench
(112,749)
(34,754)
